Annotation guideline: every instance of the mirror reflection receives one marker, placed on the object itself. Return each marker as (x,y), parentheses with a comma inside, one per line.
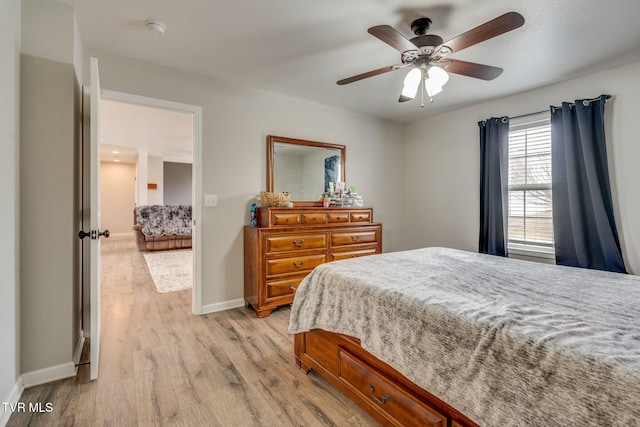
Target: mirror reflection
(304,168)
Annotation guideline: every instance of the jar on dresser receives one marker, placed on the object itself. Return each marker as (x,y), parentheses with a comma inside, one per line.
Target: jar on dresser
(288,243)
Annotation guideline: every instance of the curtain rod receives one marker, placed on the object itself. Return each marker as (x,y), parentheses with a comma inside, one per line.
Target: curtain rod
(544,111)
(529,114)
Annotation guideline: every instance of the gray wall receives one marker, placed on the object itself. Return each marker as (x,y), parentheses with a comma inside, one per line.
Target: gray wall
(177,183)
(9,138)
(49,142)
(47,251)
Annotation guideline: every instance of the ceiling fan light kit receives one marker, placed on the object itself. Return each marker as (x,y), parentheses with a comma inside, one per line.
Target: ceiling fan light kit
(433,79)
(427,55)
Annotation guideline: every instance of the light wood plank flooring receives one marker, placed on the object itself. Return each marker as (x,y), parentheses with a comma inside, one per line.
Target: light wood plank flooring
(161,365)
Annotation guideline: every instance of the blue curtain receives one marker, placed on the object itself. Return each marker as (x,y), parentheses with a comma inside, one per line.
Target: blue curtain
(585,232)
(331,171)
(494,149)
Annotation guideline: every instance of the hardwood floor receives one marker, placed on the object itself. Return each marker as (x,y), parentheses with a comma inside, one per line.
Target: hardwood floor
(161,365)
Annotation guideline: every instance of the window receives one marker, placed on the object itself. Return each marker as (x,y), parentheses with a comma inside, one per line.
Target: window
(530,219)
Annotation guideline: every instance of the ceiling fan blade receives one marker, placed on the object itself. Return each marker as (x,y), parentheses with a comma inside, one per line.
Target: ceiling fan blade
(392,37)
(370,74)
(472,69)
(500,25)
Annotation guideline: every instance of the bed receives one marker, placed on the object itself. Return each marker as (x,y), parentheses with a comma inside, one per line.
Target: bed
(438,336)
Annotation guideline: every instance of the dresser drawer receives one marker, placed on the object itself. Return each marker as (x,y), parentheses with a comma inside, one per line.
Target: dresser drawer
(285,218)
(360,216)
(314,218)
(294,264)
(335,256)
(337,217)
(391,401)
(282,287)
(294,242)
(353,237)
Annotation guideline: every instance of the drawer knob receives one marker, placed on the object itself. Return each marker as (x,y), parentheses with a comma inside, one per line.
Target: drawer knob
(298,245)
(382,401)
(355,238)
(296,265)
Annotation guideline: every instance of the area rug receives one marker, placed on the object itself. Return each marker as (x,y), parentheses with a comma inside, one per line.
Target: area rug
(171,270)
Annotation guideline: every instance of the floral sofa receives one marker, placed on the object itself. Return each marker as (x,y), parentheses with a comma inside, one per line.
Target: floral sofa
(160,227)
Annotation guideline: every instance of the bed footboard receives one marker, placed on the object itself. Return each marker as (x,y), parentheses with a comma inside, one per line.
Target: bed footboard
(380,390)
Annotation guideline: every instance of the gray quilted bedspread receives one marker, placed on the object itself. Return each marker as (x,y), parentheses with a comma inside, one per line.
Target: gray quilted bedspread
(506,342)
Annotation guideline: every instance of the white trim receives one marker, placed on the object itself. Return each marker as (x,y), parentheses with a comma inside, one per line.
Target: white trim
(196,198)
(47,375)
(79,347)
(196,299)
(222,306)
(537,251)
(12,399)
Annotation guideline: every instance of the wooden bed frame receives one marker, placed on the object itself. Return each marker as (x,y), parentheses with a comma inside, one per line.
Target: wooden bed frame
(384,393)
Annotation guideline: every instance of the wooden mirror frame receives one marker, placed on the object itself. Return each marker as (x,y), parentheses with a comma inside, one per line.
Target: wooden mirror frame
(271,140)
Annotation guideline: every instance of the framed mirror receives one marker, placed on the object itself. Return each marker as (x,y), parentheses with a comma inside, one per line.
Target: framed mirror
(303,168)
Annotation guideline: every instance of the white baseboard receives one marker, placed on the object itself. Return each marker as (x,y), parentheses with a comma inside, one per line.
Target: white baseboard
(47,375)
(222,306)
(12,399)
(78,353)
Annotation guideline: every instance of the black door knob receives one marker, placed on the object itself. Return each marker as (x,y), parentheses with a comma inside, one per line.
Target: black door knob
(104,233)
(83,234)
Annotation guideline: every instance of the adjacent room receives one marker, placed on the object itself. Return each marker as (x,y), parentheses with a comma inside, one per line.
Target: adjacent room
(146,160)
(409,212)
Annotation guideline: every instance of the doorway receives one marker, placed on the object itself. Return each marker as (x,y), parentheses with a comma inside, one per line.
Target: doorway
(155,136)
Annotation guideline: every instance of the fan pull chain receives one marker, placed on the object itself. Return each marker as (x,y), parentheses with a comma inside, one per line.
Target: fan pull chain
(422,90)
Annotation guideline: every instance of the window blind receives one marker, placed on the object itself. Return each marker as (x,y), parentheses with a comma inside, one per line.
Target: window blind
(530,217)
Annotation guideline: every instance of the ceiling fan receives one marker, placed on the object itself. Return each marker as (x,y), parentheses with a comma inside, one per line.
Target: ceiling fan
(428,56)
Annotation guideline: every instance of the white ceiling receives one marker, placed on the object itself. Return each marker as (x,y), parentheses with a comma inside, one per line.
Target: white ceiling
(127,129)
(300,48)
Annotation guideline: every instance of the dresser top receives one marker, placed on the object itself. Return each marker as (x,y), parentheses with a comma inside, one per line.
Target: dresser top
(308,216)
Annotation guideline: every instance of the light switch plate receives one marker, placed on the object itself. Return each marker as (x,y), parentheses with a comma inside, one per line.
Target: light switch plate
(210,200)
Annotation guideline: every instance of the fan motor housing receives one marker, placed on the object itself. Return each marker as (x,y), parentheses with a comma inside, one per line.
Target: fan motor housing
(420,26)
(427,40)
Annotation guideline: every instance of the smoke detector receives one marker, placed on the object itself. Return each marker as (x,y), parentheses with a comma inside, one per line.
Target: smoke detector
(156,27)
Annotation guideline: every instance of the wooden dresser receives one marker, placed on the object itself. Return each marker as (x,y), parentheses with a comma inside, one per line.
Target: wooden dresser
(290,242)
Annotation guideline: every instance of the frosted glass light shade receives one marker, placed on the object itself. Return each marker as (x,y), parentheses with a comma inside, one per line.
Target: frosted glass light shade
(412,83)
(438,75)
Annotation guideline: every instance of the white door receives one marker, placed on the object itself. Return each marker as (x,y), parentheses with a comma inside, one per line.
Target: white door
(94,220)
(91,213)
